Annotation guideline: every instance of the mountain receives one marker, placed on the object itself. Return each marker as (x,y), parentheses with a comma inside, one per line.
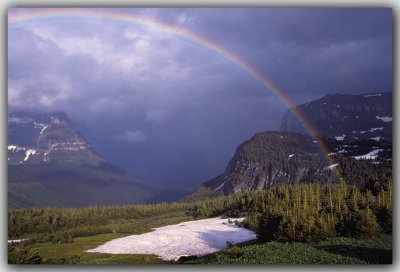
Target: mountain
(51,164)
(357,134)
(346,116)
(40,138)
(266,159)
(269,158)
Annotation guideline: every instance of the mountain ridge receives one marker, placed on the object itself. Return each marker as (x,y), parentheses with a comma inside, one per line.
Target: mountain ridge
(51,164)
(292,156)
(345,116)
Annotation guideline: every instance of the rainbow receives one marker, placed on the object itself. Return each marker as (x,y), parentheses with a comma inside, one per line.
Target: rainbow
(16,16)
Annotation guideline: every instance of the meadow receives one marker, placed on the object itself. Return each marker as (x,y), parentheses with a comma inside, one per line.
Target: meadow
(305,223)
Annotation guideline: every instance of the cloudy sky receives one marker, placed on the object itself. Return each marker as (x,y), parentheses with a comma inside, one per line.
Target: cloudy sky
(170,109)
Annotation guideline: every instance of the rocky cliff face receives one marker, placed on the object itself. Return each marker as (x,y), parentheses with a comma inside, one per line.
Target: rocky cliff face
(269,158)
(38,138)
(358,133)
(346,117)
(272,157)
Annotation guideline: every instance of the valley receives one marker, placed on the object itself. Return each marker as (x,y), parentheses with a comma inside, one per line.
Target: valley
(186,136)
(329,199)
(317,220)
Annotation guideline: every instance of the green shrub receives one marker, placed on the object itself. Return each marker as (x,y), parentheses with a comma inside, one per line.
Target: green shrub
(19,254)
(268,225)
(361,224)
(384,218)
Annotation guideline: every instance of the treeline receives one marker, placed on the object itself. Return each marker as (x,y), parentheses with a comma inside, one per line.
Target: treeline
(83,221)
(308,212)
(301,212)
(365,174)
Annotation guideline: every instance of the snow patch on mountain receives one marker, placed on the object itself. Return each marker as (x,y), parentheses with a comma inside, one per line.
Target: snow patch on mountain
(331,166)
(340,138)
(384,119)
(372,95)
(12,147)
(373,129)
(28,153)
(15,148)
(219,187)
(370,156)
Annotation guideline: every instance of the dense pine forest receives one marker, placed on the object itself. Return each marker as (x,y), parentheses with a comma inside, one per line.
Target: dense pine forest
(295,213)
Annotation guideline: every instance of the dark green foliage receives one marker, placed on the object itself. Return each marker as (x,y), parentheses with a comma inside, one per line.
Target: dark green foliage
(365,174)
(63,237)
(306,212)
(297,213)
(19,254)
(79,222)
(371,250)
(268,226)
(384,218)
(74,259)
(361,224)
(332,251)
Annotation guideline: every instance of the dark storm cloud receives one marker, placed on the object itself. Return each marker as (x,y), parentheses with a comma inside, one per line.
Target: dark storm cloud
(172,110)
(310,50)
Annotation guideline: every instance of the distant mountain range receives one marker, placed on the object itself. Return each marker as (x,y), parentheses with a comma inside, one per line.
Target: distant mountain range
(51,164)
(345,116)
(356,130)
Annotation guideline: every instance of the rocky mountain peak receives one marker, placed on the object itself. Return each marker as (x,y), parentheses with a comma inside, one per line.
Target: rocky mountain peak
(346,116)
(37,138)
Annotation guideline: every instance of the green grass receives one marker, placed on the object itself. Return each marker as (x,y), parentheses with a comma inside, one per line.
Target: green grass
(333,251)
(375,250)
(142,225)
(54,253)
(74,252)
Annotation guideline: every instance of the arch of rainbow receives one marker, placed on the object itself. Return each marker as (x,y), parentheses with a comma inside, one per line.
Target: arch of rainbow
(42,14)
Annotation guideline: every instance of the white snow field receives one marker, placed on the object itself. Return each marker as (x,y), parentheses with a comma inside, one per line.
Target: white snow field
(192,238)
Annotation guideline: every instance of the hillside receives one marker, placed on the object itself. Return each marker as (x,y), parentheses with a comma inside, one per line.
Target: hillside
(51,164)
(362,157)
(269,158)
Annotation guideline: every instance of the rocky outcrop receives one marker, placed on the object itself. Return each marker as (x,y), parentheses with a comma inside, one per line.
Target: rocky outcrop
(270,158)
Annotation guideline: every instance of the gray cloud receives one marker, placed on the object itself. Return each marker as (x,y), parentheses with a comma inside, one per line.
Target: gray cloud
(131,137)
(149,99)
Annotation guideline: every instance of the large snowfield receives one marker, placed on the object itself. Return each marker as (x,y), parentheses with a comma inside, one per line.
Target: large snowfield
(192,238)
